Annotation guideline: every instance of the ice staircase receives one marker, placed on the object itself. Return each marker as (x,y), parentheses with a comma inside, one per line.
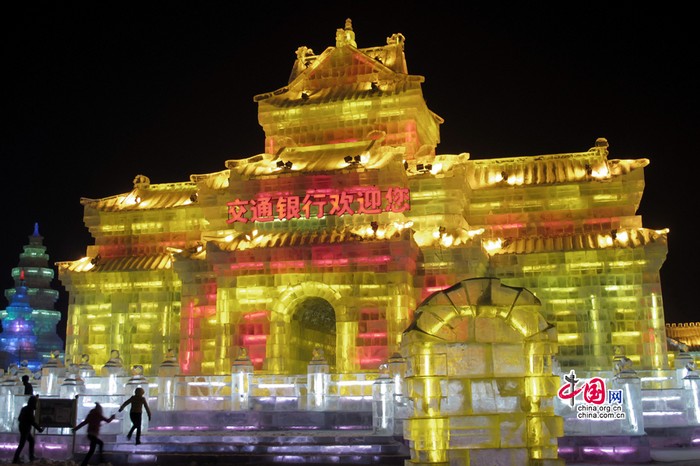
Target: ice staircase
(255,437)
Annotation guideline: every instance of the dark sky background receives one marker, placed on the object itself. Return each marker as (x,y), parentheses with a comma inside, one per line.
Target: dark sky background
(96,93)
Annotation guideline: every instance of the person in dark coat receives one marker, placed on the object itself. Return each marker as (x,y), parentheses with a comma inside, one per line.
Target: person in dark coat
(138,404)
(94,421)
(26,422)
(28,387)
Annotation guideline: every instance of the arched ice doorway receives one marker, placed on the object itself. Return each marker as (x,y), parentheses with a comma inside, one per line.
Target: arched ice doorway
(313,325)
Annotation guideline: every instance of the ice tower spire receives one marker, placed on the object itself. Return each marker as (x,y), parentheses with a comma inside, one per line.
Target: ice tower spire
(33,294)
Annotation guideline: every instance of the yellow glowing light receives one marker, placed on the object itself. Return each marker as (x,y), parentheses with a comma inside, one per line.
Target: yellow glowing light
(626,334)
(446,240)
(402,225)
(493,245)
(495,177)
(569,337)
(540,268)
(601,172)
(515,180)
(622,237)
(605,241)
(585,265)
(436,168)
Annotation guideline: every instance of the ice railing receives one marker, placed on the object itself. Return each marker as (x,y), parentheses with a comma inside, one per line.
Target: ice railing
(641,400)
(242,390)
(647,399)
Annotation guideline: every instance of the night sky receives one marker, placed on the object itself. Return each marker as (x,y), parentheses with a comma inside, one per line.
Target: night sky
(96,93)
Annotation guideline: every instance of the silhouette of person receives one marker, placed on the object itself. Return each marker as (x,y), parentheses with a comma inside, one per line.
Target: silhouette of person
(94,421)
(28,387)
(138,403)
(26,422)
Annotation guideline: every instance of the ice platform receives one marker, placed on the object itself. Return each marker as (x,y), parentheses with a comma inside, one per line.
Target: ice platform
(240,437)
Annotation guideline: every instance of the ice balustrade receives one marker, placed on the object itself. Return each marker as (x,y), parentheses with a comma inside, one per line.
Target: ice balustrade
(659,399)
(649,399)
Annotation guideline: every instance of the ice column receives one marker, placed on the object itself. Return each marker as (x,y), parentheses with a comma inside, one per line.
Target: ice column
(72,385)
(51,371)
(691,384)
(681,364)
(397,371)
(317,380)
(85,369)
(241,371)
(383,402)
(167,371)
(628,382)
(8,390)
(111,371)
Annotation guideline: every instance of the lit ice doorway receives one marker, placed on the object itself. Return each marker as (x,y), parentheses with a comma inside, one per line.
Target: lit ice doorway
(313,326)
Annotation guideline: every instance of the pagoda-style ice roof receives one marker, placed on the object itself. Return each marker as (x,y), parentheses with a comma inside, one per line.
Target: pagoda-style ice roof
(147,196)
(119,264)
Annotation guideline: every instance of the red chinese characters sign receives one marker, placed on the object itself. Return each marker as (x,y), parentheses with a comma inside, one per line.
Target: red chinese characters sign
(318,204)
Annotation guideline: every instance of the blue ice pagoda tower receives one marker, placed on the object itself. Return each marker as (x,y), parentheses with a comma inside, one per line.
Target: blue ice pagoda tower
(29,322)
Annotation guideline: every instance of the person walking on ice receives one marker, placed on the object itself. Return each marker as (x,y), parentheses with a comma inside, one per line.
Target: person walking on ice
(26,422)
(138,403)
(94,421)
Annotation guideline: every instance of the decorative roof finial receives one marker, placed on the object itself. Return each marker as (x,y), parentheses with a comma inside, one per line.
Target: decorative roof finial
(345,36)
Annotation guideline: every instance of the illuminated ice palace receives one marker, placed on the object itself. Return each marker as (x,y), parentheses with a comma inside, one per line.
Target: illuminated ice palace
(349,295)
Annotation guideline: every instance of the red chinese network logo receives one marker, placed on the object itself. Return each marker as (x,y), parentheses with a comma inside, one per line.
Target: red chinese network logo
(594,391)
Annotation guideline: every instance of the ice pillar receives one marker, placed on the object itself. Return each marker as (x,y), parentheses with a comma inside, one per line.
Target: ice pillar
(8,389)
(167,371)
(111,371)
(627,381)
(682,362)
(85,369)
(691,385)
(72,384)
(317,381)
(383,402)
(397,371)
(241,371)
(50,374)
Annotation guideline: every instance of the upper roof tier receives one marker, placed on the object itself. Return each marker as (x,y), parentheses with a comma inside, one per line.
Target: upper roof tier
(345,94)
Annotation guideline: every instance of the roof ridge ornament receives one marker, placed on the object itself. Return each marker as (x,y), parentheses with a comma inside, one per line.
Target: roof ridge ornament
(345,36)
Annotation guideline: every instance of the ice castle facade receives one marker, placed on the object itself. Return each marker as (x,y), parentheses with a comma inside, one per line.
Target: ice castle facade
(487,299)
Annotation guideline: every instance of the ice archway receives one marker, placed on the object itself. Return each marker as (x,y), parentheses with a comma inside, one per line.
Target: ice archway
(480,378)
